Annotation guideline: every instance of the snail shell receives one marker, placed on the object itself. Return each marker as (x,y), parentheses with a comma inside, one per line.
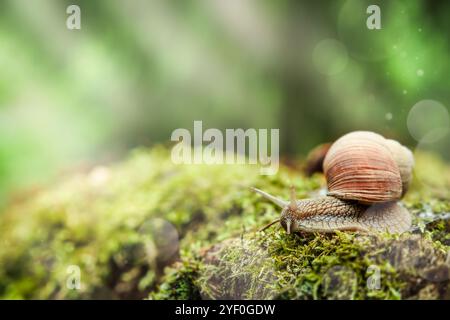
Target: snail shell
(405,162)
(366,167)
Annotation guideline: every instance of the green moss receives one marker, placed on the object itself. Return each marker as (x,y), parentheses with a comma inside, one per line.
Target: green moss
(149,228)
(179,283)
(292,267)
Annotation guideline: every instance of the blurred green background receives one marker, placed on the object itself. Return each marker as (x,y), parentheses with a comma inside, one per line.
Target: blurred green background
(139,69)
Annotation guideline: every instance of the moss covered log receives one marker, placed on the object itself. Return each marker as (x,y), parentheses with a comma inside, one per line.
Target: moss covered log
(147,228)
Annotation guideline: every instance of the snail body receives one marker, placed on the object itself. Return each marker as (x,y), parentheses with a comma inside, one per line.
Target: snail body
(366,176)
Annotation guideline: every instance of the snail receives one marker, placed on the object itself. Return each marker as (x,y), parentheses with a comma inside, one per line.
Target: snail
(366,176)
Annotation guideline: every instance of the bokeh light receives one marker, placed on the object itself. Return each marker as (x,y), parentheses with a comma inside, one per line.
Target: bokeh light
(162,239)
(330,57)
(428,121)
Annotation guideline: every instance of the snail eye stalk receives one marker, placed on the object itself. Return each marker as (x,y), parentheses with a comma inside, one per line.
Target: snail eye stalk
(278,202)
(288,226)
(292,202)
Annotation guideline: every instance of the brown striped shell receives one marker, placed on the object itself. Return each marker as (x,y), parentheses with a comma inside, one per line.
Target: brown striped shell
(362,166)
(405,162)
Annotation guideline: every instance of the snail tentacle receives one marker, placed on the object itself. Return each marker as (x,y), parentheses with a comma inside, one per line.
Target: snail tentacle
(269,225)
(277,201)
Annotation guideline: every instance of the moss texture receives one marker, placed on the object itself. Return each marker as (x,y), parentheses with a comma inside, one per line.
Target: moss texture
(147,228)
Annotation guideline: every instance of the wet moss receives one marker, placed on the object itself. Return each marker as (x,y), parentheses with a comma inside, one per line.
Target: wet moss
(147,228)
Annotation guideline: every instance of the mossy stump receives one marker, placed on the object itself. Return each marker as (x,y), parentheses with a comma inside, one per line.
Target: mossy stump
(147,228)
